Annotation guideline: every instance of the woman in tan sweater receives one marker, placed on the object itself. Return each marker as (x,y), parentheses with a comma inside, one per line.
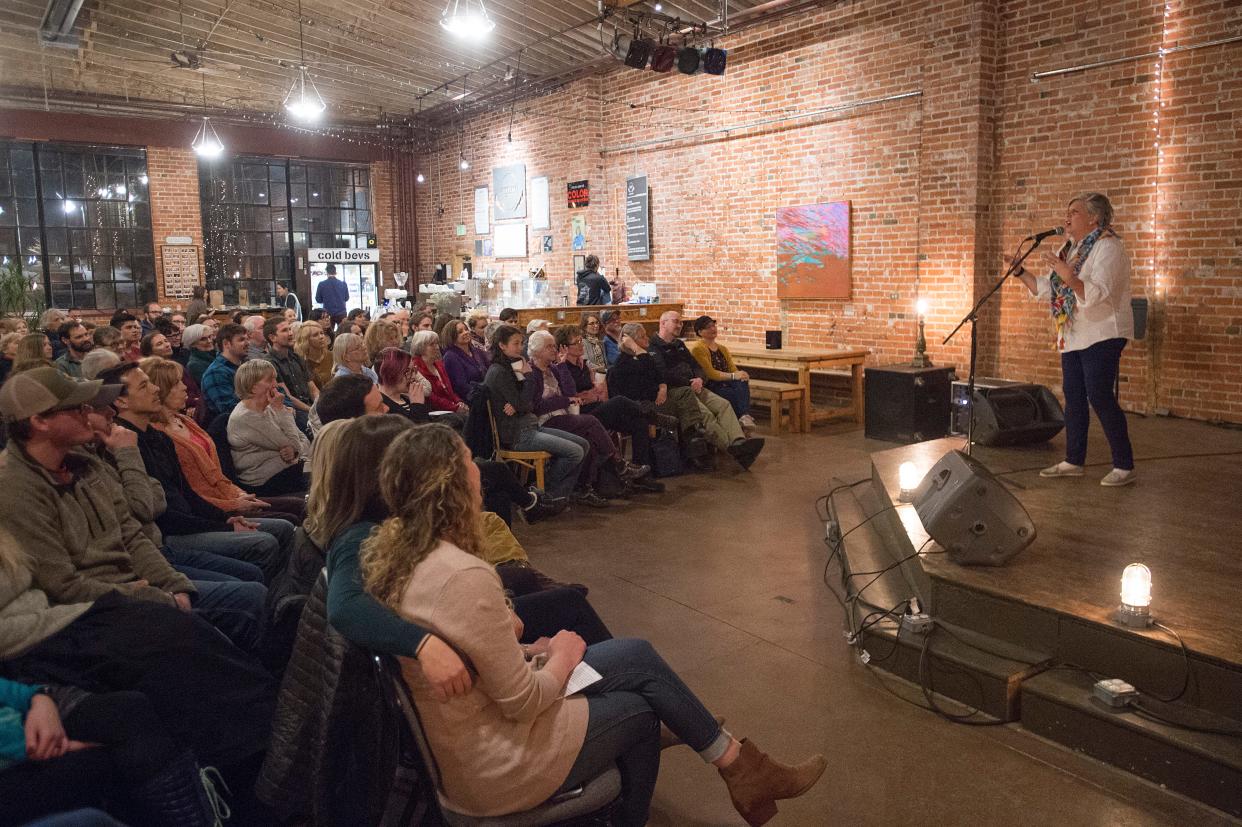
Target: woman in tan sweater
(514,740)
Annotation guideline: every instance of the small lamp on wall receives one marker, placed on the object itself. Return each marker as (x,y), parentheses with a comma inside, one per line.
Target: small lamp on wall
(920,359)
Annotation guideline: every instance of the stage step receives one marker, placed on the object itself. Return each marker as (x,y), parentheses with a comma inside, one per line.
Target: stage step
(1057,704)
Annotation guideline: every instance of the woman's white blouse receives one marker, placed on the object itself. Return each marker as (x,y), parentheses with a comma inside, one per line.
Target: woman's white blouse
(1103,311)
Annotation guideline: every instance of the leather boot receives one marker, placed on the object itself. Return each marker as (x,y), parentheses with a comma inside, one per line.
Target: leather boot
(183,794)
(756,782)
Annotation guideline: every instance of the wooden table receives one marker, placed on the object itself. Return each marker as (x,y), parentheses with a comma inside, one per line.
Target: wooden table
(647,315)
(802,361)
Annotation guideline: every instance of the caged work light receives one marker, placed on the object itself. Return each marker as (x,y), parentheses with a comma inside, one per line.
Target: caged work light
(1135,608)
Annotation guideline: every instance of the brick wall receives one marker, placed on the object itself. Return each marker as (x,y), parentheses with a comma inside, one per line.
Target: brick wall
(172,174)
(941,183)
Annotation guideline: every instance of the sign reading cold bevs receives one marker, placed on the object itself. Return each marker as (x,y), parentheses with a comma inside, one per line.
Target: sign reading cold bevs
(341,255)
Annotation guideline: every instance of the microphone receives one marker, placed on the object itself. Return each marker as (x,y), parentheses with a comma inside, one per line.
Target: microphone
(1038,237)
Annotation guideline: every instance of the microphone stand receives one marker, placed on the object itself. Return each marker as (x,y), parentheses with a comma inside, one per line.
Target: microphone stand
(973,317)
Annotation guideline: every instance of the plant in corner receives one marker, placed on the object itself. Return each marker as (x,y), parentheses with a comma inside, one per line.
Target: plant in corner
(20,295)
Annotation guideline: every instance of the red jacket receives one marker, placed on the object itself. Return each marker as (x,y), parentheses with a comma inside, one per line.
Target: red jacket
(442,396)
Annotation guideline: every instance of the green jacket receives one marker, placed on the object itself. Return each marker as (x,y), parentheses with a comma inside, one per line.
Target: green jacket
(82,538)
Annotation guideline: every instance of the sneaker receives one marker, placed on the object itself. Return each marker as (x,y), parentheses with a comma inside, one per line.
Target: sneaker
(648,485)
(544,506)
(746,421)
(587,496)
(633,472)
(1062,469)
(1118,477)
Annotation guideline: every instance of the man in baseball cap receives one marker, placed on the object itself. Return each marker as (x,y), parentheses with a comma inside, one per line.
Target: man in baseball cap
(47,393)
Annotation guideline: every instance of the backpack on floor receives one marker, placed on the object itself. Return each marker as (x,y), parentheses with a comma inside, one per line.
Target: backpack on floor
(666,458)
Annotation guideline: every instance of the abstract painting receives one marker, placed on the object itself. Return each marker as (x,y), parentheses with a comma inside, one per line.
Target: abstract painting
(813,251)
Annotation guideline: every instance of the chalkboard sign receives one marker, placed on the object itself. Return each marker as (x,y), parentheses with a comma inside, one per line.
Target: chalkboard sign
(181,271)
(579,194)
(637,219)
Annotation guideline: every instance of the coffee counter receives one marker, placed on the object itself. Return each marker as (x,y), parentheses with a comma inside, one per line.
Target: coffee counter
(646,314)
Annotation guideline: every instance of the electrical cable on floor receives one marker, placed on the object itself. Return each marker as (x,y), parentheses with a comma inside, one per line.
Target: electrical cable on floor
(1147,712)
(827,498)
(929,689)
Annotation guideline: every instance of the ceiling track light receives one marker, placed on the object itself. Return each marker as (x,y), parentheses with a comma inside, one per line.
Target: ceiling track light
(467,19)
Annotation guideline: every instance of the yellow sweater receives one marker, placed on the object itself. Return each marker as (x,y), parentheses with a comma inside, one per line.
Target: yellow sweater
(698,349)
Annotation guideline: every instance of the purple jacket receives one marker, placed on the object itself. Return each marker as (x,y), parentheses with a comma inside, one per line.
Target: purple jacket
(533,388)
(465,372)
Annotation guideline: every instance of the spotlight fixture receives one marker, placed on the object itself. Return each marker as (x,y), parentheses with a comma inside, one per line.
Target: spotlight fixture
(467,19)
(663,58)
(908,479)
(207,143)
(1135,608)
(689,60)
(714,61)
(299,102)
(639,53)
(464,164)
(303,100)
(420,178)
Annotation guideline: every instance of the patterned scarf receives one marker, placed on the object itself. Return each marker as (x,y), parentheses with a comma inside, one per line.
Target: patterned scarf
(1063,300)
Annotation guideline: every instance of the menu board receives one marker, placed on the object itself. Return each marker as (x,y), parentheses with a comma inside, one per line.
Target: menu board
(637,219)
(181,271)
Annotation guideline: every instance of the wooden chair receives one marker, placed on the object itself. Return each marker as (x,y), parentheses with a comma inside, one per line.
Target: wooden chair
(526,461)
(778,395)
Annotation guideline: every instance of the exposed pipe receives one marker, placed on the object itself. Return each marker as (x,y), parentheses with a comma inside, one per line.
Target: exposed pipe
(1036,77)
(844,107)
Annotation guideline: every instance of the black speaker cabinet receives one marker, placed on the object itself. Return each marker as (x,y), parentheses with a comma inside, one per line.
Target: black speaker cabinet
(906,404)
(1008,413)
(971,514)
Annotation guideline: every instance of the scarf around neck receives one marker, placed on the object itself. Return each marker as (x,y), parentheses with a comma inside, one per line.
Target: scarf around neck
(1063,301)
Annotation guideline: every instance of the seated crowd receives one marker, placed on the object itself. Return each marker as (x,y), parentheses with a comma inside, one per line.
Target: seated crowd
(213,528)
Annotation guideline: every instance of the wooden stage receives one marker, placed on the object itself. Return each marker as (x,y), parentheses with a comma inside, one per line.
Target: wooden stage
(1024,643)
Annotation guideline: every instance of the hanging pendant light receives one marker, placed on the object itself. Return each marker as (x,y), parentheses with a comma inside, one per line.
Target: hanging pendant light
(207,143)
(467,19)
(303,100)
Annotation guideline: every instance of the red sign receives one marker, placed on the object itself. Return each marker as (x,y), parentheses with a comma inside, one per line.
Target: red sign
(579,194)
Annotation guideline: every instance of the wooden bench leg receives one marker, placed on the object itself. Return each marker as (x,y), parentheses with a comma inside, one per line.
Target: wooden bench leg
(539,474)
(774,413)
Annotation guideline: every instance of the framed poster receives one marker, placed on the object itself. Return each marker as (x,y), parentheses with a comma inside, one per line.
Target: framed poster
(181,271)
(578,232)
(510,241)
(539,215)
(480,211)
(509,192)
(547,243)
(813,251)
(579,264)
(579,194)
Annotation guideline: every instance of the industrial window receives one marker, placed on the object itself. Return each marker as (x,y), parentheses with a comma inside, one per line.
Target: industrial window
(260,215)
(77,220)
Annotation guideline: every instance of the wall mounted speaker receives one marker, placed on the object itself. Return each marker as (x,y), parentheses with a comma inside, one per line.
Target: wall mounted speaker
(714,61)
(639,53)
(971,514)
(689,60)
(663,58)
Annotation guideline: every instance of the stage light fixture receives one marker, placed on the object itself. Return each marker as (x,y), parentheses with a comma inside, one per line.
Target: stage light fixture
(689,60)
(639,53)
(1135,608)
(908,478)
(663,58)
(714,61)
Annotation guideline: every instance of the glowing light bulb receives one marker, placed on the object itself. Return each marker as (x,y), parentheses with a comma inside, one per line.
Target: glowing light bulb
(464,164)
(420,178)
(1135,609)
(908,479)
(70,206)
(921,307)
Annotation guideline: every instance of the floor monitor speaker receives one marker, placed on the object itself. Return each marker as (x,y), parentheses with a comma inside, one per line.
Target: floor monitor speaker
(971,514)
(1008,413)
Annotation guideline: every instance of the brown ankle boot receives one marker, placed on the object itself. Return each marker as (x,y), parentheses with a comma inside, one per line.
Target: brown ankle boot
(756,782)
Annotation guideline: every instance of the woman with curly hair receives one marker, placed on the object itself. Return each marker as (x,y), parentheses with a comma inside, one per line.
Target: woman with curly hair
(33,351)
(380,334)
(313,345)
(514,740)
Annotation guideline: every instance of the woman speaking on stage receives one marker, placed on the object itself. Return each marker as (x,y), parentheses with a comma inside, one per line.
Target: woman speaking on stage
(1088,293)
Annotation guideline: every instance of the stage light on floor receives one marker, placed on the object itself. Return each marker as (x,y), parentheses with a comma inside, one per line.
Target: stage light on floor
(1135,608)
(908,477)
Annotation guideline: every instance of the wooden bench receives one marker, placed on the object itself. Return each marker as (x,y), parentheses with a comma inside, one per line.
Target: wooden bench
(778,395)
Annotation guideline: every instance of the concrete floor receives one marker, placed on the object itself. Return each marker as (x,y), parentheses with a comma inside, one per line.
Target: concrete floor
(724,576)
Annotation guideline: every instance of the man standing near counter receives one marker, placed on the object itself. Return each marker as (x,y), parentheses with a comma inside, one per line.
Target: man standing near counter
(333,295)
(592,286)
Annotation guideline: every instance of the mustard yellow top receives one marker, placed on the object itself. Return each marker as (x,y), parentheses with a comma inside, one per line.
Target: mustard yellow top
(703,355)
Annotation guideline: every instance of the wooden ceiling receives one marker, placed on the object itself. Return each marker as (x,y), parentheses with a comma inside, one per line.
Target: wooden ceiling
(368,58)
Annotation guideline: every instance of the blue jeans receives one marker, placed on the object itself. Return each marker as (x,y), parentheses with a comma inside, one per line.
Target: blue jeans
(235,607)
(567,450)
(637,692)
(1089,376)
(203,565)
(268,548)
(736,392)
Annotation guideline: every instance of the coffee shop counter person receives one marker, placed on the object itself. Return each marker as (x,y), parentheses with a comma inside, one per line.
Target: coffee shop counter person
(721,374)
(1088,293)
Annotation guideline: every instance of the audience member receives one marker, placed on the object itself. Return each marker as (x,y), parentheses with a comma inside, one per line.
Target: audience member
(200,341)
(14,324)
(349,357)
(593,346)
(256,345)
(34,350)
(321,317)
(151,311)
(311,343)
(516,424)
(423,561)
(347,397)
(404,389)
(721,374)
(507,315)
(425,348)
(131,335)
(77,341)
(401,318)
(197,307)
(97,361)
(381,334)
(49,326)
(680,370)
(464,359)
(295,381)
(361,318)
(477,320)
(218,383)
(423,321)
(8,351)
(287,299)
(108,337)
(611,340)
(268,449)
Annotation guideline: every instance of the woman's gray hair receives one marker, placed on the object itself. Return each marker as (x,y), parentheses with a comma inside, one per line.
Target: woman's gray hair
(539,339)
(251,373)
(97,361)
(421,340)
(191,335)
(341,346)
(1097,205)
(632,328)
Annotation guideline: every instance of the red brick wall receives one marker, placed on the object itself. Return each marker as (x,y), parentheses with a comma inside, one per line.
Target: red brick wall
(172,174)
(941,184)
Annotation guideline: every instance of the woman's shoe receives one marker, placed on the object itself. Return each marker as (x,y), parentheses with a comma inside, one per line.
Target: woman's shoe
(756,782)
(1062,469)
(1118,477)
